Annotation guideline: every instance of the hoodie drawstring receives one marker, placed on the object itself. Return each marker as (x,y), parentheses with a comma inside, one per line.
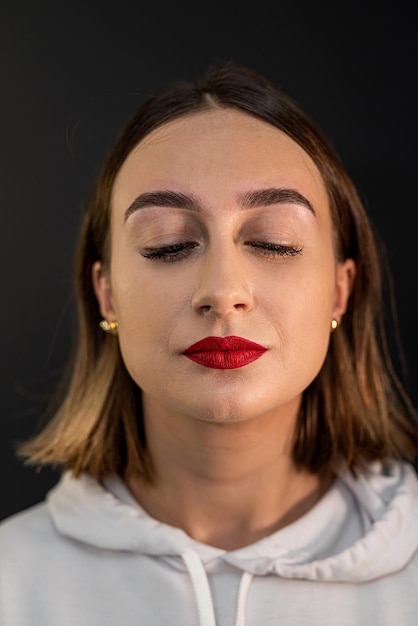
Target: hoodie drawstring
(246,579)
(201,588)
(203,595)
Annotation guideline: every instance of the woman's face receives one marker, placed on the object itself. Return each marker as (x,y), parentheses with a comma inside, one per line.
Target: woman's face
(221,228)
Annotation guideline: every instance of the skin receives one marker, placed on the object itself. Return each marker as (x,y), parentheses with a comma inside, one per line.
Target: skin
(221,440)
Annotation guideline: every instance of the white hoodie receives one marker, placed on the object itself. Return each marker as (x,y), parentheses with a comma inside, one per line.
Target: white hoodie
(90,555)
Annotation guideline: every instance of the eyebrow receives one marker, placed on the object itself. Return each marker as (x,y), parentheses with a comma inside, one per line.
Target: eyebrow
(274,195)
(250,200)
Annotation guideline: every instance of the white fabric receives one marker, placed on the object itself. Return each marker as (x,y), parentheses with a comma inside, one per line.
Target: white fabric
(201,588)
(90,555)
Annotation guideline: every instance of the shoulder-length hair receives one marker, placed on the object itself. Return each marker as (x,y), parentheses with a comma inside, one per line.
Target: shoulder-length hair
(354,412)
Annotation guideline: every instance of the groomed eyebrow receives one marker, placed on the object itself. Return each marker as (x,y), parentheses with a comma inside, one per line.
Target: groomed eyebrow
(250,200)
(165,198)
(274,195)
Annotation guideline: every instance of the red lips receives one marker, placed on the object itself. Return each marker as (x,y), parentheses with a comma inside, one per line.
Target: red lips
(224,352)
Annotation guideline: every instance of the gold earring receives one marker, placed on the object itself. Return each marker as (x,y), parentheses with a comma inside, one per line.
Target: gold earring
(109,327)
(334,324)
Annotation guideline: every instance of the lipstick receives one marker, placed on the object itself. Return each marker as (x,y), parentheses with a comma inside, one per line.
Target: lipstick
(224,353)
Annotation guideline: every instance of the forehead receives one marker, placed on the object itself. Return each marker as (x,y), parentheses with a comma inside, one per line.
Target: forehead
(213,148)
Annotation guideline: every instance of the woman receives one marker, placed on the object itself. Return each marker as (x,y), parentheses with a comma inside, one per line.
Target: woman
(235,444)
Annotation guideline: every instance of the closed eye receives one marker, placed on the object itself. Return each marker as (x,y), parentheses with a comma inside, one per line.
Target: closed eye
(275,249)
(170,253)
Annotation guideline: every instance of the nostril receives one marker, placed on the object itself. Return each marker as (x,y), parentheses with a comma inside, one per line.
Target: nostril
(221,299)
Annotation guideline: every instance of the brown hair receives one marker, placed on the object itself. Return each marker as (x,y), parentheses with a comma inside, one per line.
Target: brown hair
(355,411)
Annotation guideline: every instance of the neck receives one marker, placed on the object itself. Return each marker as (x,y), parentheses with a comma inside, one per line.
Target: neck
(225,484)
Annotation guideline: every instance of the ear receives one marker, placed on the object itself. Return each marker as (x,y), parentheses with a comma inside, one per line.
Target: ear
(102,289)
(346,273)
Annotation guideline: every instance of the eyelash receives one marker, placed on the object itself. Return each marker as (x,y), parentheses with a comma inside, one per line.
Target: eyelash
(276,249)
(177,251)
(171,253)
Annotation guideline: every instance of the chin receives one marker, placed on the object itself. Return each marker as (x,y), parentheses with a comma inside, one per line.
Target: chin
(226,407)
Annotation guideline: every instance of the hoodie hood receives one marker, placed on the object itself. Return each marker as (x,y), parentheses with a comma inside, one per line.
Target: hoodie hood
(362,529)
(91,554)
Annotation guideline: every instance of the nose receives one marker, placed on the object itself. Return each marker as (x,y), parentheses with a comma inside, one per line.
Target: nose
(223,284)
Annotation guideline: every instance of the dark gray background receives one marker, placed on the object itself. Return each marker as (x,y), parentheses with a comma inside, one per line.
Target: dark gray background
(70,74)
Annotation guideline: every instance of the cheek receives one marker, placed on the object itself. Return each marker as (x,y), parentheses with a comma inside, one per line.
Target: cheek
(146,308)
(300,309)
(305,294)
